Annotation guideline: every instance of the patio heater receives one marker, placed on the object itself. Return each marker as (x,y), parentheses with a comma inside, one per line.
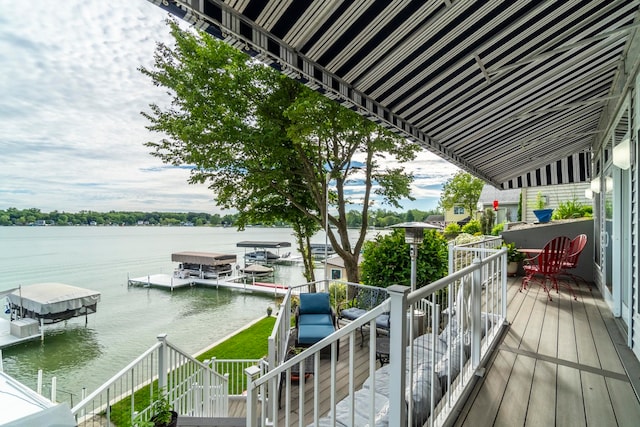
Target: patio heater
(414,235)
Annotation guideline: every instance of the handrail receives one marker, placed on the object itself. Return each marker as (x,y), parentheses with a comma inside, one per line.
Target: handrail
(477,306)
(191,387)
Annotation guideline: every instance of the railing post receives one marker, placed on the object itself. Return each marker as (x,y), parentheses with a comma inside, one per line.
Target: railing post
(272,357)
(207,383)
(252,373)
(162,362)
(397,346)
(451,255)
(503,279)
(476,320)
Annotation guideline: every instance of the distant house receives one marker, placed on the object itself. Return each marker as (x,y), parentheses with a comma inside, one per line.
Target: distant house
(457,213)
(437,220)
(335,268)
(508,201)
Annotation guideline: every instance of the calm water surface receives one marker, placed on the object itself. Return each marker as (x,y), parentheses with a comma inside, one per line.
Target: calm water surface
(128,318)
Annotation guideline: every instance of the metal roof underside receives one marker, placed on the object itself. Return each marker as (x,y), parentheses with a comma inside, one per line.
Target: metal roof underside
(514,92)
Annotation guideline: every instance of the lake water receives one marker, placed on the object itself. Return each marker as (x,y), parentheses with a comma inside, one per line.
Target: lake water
(128,318)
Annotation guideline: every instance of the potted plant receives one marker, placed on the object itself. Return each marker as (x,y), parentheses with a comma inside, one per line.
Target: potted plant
(514,256)
(163,414)
(543,214)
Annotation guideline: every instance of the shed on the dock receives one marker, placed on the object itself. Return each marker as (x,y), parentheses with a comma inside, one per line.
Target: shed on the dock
(52,302)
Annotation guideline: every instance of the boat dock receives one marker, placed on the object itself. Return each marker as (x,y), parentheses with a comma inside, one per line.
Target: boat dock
(166,281)
(24,330)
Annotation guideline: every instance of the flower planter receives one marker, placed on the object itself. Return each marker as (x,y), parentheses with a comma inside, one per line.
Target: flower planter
(512,268)
(543,215)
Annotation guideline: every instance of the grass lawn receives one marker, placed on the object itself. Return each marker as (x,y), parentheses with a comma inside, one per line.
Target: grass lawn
(250,343)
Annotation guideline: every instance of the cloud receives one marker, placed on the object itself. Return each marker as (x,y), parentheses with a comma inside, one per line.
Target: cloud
(70,125)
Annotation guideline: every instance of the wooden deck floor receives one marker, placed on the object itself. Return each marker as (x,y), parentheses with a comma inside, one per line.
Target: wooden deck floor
(556,365)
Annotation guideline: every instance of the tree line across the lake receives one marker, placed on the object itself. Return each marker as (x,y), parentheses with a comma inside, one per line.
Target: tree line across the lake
(32,216)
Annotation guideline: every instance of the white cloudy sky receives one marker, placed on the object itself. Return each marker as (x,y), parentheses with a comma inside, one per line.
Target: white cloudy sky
(71,133)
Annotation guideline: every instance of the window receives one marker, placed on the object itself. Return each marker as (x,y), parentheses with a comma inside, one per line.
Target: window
(335,274)
(458,210)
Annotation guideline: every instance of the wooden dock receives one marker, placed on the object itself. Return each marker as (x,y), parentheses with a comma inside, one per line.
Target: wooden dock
(166,281)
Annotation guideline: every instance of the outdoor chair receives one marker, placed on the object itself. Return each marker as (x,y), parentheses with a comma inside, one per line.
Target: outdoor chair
(547,265)
(571,261)
(315,318)
(365,300)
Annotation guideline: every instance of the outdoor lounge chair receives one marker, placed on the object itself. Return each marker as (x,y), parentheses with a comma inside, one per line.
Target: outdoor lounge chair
(315,319)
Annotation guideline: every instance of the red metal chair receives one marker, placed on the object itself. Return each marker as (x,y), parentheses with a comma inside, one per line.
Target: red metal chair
(571,262)
(547,265)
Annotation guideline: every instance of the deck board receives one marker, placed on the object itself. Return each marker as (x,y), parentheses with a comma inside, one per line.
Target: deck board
(556,365)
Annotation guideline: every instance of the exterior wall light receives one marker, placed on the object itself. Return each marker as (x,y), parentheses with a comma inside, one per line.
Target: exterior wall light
(622,153)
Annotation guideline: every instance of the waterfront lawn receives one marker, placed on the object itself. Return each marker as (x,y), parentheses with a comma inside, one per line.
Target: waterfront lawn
(250,343)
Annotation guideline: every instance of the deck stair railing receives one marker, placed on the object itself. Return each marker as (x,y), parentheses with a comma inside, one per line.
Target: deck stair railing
(191,386)
(469,304)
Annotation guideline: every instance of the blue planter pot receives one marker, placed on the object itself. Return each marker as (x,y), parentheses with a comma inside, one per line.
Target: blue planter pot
(543,215)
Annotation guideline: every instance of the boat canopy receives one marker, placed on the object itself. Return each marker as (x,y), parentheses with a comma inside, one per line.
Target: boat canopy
(203,258)
(263,244)
(52,302)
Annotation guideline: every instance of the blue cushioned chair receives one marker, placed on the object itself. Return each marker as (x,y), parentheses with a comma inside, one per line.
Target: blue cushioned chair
(315,319)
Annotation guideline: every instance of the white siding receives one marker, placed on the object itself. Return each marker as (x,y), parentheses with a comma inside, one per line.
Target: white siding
(556,194)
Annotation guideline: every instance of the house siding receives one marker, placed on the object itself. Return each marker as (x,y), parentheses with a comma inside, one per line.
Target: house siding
(556,194)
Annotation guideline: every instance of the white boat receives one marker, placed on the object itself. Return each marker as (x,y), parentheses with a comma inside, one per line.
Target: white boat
(261,256)
(257,270)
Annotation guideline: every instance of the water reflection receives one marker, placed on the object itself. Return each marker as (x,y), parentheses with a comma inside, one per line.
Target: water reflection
(64,347)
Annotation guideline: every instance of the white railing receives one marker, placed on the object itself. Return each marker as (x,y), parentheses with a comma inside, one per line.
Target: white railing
(191,387)
(453,324)
(462,255)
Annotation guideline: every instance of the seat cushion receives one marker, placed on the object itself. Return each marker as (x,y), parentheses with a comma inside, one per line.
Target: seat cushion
(314,303)
(311,334)
(382,321)
(315,319)
(352,313)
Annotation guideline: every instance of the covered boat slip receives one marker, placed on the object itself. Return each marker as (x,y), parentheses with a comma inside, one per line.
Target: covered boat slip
(52,302)
(205,265)
(260,253)
(31,307)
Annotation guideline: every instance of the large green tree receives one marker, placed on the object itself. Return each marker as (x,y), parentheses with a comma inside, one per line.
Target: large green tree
(462,189)
(268,146)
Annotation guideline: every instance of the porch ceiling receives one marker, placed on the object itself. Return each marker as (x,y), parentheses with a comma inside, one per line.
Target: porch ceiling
(499,88)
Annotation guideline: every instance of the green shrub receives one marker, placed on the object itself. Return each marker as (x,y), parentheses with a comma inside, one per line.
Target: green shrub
(472,227)
(337,294)
(451,230)
(497,230)
(572,209)
(386,260)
